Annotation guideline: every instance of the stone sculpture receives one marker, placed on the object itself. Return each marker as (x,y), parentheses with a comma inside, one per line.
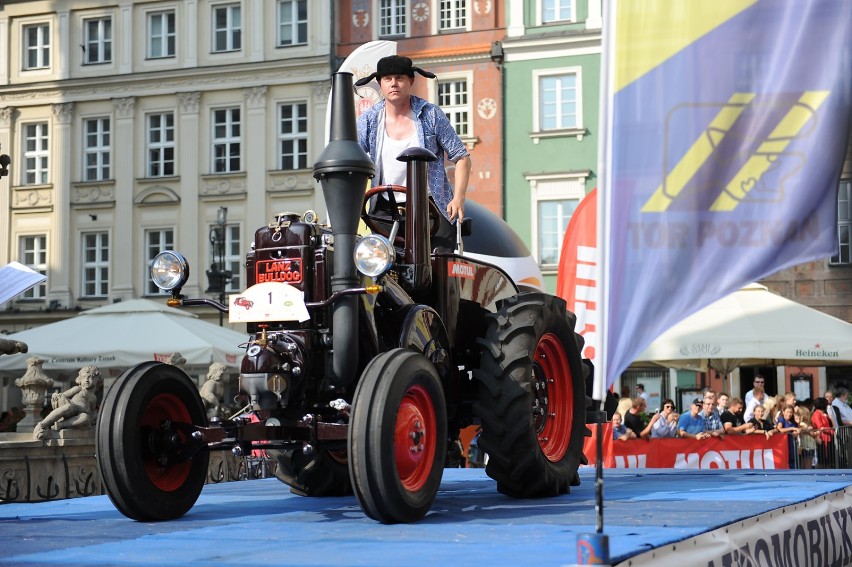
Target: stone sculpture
(76,407)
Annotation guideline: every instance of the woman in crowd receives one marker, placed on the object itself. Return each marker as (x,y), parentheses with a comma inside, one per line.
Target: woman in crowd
(822,426)
(761,424)
(666,425)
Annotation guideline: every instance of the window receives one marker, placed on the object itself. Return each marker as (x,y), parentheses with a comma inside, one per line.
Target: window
(293,136)
(454,101)
(453,15)
(558,102)
(227,28)
(161,144)
(36,46)
(36,153)
(226,140)
(554,199)
(96,143)
(95,264)
(33,254)
(156,241)
(293,22)
(97,41)
(556,10)
(233,256)
(161,34)
(844,224)
(391,18)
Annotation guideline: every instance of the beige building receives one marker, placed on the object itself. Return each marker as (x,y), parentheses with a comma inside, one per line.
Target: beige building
(132,125)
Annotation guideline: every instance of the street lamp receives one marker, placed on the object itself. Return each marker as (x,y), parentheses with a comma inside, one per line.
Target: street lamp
(217,276)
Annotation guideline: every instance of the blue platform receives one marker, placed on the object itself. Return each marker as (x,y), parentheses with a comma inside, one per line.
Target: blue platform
(259,522)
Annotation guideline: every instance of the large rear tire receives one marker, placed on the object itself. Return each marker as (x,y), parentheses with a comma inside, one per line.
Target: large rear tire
(397,437)
(143,438)
(532,401)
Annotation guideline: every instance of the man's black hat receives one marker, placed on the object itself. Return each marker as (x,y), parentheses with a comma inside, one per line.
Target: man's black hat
(394,65)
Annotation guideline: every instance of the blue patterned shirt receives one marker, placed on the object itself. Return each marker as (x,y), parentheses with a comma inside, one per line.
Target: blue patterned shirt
(712,422)
(434,132)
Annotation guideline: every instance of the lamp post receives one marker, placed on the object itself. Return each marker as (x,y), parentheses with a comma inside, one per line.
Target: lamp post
(217,276)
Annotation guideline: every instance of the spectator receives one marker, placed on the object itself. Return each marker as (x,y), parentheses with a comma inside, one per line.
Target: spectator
(619,431)
(773,407)
(624,404)
(640,392)
(691,425)
(732,419)
(822,426)
(665,425)
(787,424)
(829,396)
(807,436)
(756,400)
(722,402)
(761,424)
(633,417)
(712,423)
(841,395)
(758,381)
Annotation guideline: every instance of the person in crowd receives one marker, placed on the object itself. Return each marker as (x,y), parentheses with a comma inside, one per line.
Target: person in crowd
(619,430)
(790,399)
(722,402)
(787,425)
(759,380)
(829,396)
(807,436)
(757,399)
(633,417)
(665,425)
(712,422)
(773,405)
(762,426)
(640,392)
(732,419)
(691,425)
(400,121)
(841,397)
(624,404)
(825,433)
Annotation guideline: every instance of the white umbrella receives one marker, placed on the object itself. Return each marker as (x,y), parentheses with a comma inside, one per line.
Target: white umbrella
(753,327)
(123,334)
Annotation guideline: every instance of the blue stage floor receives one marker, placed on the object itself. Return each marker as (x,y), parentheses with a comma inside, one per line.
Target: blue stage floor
(260,523)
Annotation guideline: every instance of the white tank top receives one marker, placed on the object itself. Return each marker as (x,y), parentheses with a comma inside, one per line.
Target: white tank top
(393,170)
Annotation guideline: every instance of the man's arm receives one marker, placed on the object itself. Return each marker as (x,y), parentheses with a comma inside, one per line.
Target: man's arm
(460,181)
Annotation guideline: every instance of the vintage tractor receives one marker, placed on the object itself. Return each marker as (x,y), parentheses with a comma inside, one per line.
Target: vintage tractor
(366,355)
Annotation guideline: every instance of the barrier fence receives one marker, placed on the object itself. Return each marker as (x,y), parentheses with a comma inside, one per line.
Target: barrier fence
(781,451)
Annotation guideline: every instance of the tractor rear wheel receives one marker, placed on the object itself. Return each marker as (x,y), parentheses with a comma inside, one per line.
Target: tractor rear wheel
(532,397)
(151,467)
(397,437)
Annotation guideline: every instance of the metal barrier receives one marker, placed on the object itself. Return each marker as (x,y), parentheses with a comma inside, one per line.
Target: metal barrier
(835,454)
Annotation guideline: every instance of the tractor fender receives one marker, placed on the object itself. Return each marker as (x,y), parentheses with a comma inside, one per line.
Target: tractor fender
(423,331)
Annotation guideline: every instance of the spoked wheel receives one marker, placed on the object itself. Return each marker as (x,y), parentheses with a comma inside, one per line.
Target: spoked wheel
(151,467)
(381,224)
(397,437)
(532,400)
(323,472)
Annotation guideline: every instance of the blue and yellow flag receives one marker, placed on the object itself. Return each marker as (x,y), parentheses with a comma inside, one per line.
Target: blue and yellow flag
(726,127)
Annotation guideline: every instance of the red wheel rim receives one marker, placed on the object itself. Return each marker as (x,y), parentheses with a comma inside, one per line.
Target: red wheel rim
(553,397)
(162,408)
(414,438)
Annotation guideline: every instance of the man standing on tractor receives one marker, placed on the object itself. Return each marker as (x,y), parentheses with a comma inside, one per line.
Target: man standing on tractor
(402,121)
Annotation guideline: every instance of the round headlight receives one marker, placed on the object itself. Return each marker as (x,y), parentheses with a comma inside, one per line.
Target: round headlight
(374,255)
(169,270)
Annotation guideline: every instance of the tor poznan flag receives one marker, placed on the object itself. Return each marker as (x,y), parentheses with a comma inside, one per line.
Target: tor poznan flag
(725,129)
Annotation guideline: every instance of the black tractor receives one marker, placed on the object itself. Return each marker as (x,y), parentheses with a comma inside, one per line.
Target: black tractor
(367,355)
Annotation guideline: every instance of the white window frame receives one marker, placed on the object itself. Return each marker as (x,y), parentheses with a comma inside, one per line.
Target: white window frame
(32,249)
(231,33)
(234,258)
(36,170)
(103,41)
(552,187)
(560,7)
(452,110)
(576,130)
(165,42)
(156,152)
(844,225)
(94,272)
(165,240)
(226,141)
(387,12)
(299,28)
(41,47)
(297,136)
(452,15)
(97,148)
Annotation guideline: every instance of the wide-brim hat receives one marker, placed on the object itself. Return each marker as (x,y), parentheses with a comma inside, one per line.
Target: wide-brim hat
(394,65)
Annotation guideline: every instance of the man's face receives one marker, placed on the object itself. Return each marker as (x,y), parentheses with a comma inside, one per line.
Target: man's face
(708,406)
(829,396)
(759,382)
(396,87)
(736,407)
(694,409)
(723,401)
(759,411)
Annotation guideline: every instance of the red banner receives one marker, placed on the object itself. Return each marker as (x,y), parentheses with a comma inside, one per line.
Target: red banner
(729,452)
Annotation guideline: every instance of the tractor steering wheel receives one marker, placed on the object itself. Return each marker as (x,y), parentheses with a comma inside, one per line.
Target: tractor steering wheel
(382,224)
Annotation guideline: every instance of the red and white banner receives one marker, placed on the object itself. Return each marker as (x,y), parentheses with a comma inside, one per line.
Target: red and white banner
(730,452)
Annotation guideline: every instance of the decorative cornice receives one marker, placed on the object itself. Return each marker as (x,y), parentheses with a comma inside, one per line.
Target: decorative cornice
(319,91)
(256,96)
(32,197)
(124,107)
(189,102)
(215,185)
(156,195)
(63,112)
(6,114)
(290,182)
(89,194)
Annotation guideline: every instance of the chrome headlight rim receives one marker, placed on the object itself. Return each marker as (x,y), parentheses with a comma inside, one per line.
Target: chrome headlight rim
(169,271)
(374,255)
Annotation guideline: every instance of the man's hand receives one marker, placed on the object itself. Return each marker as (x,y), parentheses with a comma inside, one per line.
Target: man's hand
(456,208)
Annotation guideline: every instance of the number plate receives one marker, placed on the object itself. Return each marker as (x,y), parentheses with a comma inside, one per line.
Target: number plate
(269,301)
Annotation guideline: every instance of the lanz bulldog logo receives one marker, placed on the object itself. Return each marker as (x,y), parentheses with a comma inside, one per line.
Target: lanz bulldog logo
(287,270)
